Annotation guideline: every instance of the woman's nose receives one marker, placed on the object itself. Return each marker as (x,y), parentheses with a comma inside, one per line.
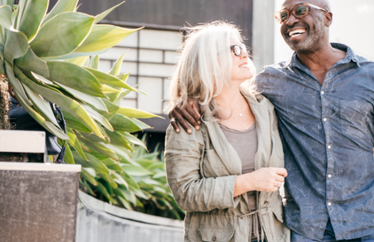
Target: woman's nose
(244,54)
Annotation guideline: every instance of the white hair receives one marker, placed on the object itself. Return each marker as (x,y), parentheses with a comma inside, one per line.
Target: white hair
(205,65)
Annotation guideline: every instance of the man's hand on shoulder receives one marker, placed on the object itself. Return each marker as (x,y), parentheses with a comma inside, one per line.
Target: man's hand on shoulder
(181,115)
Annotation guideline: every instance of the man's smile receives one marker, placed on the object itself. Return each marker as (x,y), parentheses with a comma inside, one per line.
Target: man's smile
(295,33)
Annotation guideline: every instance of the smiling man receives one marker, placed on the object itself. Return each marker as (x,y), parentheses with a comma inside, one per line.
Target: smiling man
(324,100)
(324,97)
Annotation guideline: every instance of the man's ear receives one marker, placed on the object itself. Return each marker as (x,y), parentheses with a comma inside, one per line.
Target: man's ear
(328,19)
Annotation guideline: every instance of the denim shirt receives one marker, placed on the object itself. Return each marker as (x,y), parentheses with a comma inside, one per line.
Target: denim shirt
(328,138)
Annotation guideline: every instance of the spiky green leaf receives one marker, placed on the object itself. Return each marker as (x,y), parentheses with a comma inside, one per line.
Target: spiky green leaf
(135,170)
(98,117)
(95,62)
(80,61)
(123,123)
(31,62)
(7,2)
(37,117)
(32,17)
(120,151)
(67,104)
(16,45)
(99,147)
(94,101)
(118,139)
(140,124)
(109,79)
(136,113)
(60,7)
(15,83)
(74,123)
(105,192)
(74,142)
(6,16)
(86,175)
(103,37)
(92,162)
(110,180)
(134,140)
(41,105)
(102,15)
(62,34)
(117,66)
(74,76)
(69,159)
(21,9)
(112,164)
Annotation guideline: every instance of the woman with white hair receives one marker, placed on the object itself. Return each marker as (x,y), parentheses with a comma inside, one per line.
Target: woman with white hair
(226,175)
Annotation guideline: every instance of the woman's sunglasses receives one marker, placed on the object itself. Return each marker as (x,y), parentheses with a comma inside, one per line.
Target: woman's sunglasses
(238,49)
(299,11)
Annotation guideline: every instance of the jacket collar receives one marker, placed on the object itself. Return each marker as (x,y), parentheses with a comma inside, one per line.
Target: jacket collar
(223,148)
(260,108)
(225,151)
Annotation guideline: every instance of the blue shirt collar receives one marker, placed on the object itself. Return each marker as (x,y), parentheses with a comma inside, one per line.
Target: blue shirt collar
(350,56)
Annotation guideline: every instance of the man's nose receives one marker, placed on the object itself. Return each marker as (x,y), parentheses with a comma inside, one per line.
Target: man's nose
(292,20)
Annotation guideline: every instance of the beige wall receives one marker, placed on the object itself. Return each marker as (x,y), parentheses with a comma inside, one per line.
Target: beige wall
(150,58)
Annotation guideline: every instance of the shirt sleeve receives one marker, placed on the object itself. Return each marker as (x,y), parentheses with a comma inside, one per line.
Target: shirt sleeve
(191,191)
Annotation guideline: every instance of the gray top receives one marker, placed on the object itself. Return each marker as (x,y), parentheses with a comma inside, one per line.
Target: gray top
(245,144)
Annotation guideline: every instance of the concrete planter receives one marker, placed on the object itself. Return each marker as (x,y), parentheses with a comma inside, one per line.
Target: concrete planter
(38,202)
(17,145)
(100,222)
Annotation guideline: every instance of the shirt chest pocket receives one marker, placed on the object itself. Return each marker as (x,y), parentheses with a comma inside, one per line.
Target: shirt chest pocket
(212,165)
(355,117)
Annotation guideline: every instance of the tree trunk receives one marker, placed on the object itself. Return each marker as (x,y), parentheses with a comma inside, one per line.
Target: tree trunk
(4,104)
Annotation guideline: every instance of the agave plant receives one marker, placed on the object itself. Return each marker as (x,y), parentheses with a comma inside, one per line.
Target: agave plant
(41,54)
(144,187)
(53,57)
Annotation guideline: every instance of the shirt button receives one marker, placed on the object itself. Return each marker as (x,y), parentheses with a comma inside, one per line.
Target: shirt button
(322,92)
(329,204)
(325,119)
(329,147)
(329,176)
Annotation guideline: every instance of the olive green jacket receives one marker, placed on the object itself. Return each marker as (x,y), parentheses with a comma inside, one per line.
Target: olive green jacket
(201,171)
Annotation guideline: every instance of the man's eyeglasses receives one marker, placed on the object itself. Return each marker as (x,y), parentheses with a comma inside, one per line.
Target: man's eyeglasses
(238,49)
(299,11)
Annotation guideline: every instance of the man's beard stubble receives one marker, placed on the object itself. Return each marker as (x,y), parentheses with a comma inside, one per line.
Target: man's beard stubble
(312,40)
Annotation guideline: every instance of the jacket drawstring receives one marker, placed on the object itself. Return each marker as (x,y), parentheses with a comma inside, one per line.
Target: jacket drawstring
(255,221)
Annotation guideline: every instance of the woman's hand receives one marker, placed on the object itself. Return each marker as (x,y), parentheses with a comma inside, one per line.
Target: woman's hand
(264,180)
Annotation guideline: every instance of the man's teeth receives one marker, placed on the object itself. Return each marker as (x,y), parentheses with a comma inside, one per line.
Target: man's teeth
(296,32)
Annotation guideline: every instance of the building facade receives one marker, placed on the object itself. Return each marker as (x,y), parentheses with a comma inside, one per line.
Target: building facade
(151,53)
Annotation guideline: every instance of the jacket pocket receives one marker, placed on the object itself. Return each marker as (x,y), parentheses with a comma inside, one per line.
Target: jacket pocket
(216,234)
(278,212)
